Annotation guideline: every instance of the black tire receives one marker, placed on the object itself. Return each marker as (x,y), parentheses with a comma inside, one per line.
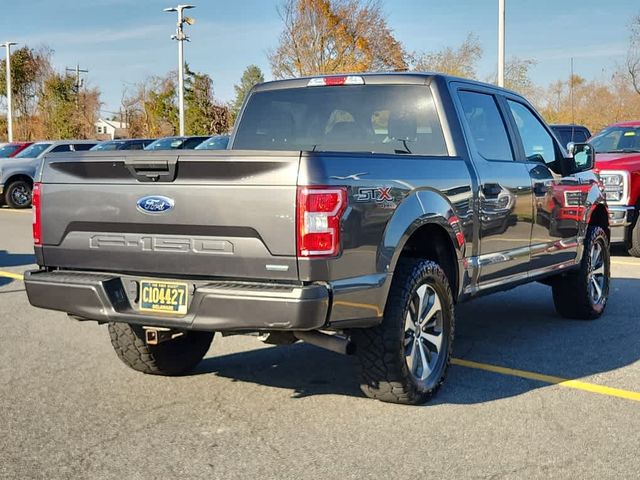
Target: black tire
(173,357)
(633,244)
(18,194)
(382,349)
(574,293)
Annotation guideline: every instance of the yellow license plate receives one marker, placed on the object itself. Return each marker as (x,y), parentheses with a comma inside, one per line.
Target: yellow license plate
(163,297)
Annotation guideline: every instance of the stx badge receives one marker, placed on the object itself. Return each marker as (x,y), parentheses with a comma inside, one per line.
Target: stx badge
(381,195)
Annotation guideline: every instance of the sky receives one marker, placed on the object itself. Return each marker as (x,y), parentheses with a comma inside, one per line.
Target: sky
(121,42)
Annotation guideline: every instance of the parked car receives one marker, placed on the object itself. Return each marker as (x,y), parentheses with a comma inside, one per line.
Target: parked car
(618,163)
(10,150)
(16,174)
(355,226)
(217,142)
(176,143)
(570,133)
(125,144)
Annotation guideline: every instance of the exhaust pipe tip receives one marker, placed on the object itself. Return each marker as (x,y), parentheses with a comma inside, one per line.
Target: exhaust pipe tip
(336,343)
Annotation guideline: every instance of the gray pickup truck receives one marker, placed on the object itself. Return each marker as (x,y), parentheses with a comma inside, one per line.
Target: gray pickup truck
(350,212)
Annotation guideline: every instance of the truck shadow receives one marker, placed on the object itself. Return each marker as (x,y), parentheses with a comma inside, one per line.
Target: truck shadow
(517,329)
(15,259)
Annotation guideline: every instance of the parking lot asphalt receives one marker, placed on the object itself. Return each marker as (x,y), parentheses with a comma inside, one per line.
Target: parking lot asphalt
(70,409)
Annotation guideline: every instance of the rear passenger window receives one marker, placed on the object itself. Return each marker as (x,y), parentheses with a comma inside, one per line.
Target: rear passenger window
(486,125)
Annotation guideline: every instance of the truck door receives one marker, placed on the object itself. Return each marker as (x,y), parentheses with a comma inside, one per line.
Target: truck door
(505,199)
(559,202)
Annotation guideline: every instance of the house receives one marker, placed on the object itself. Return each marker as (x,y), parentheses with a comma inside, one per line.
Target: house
(111,129)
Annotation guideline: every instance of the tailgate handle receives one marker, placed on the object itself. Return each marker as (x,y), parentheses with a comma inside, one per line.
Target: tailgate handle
(147,169)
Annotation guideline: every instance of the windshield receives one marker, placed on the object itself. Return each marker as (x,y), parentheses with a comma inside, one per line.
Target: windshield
(398,119)
(617,140)
(169,143)
(219,142)
(104,146)
(8,150)
(33,151)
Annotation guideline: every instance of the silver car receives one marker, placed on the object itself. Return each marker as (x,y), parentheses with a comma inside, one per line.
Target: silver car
(17,173)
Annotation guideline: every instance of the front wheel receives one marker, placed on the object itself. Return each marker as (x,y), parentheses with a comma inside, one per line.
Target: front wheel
(583,294)
(174,357)
(405,358)
(18,194)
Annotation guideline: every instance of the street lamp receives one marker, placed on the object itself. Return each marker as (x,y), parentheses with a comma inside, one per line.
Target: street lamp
(181,37)
(8,45)
(501,43)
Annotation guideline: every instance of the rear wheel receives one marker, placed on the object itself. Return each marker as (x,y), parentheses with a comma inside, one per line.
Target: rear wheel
(405,358)
(583,294)
(18,194)
(173,357)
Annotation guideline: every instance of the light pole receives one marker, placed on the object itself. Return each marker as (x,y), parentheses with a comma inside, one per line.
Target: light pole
(181,37)
(501,43)
(8,45)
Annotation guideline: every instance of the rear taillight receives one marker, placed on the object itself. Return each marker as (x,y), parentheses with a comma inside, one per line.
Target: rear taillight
(320,210)
(37,226)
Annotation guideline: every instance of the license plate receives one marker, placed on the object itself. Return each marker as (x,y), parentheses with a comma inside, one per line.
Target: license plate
(163,297)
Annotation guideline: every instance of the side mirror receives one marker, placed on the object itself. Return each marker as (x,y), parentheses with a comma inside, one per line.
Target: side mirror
(582,156)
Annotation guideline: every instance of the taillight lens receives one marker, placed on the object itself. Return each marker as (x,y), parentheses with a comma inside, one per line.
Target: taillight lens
(320,210)
(37,226)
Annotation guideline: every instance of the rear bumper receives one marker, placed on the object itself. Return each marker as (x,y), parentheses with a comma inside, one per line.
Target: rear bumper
(214,306)
(620,217)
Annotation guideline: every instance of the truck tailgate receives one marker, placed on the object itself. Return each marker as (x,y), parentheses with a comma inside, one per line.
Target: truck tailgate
(233,213)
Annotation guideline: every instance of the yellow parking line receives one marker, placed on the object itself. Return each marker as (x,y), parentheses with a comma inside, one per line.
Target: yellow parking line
(563,382)
(11,210)
(622,262)
(15,276)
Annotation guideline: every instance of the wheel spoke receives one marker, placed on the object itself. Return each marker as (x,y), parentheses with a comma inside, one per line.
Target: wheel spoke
(433,310)
(426,370)
(599,271)
(433,340)
(598,289)
(413,358)
(422,293)
(595,255)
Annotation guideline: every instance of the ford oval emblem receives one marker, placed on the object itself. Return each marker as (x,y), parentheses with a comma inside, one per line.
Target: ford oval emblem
(155,204)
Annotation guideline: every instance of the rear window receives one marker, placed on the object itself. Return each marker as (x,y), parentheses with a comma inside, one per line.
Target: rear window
(396,119)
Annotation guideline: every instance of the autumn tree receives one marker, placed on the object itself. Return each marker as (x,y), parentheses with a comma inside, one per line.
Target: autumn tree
(460,61)
(30,68)
(517,75)
(250,77)
(151,110)
(334,36)
(57,106)
(203,114)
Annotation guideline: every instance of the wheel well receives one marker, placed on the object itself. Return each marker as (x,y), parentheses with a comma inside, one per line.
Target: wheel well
(23,177)
(432,242)
(600,218)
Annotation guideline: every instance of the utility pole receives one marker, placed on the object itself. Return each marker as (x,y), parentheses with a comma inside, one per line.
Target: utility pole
(181,37)
(501,42)
(79,81)
(8,45)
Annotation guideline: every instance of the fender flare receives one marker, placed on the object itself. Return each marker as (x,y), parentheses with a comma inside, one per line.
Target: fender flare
(423,207)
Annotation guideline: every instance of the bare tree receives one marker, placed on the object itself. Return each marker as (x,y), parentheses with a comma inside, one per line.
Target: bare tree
(633,54)
(460,62)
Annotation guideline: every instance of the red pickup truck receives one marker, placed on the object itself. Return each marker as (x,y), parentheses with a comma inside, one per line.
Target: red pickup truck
(618,163)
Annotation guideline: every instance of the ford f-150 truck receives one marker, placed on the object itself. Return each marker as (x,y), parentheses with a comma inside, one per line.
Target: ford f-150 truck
(351,212)
(618,163)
